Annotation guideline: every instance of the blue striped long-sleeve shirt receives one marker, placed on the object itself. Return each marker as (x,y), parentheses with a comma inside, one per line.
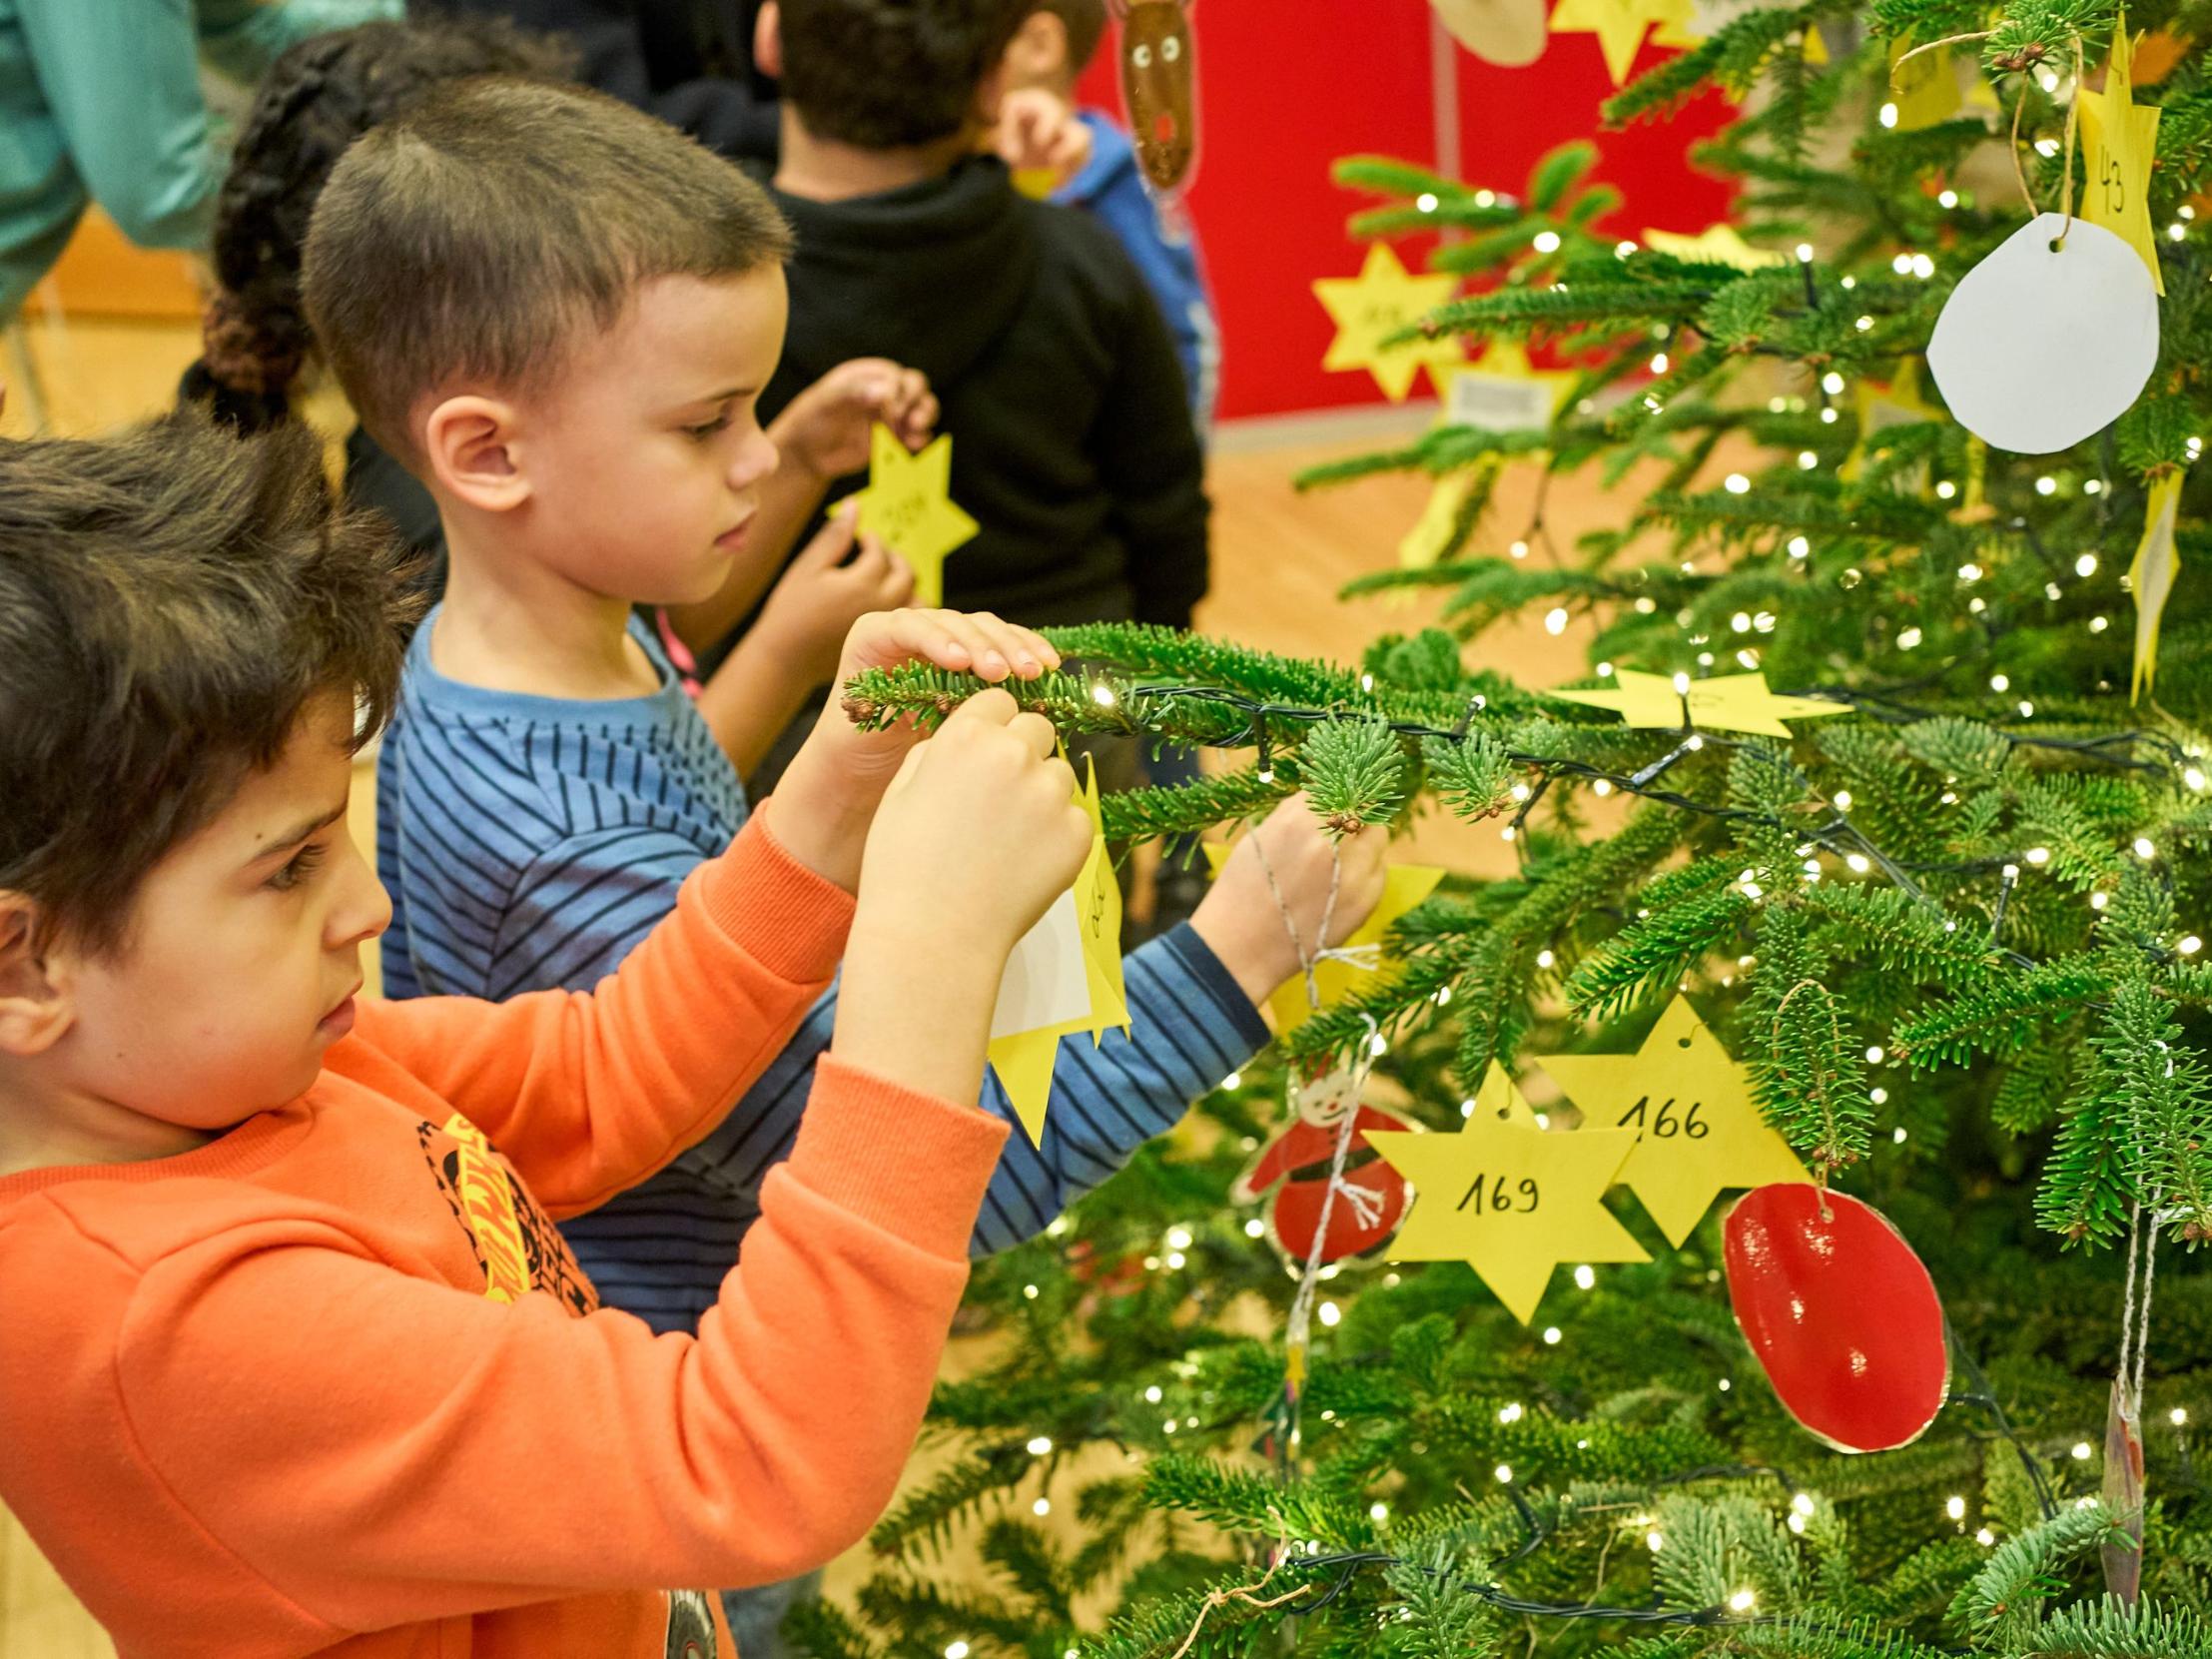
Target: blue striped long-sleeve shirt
(530,843)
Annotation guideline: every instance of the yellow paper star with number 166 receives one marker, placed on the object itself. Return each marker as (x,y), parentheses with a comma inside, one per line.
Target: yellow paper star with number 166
(1510,1200)
(2118,139)
(1699,1130)
(1371,307)
(909,503)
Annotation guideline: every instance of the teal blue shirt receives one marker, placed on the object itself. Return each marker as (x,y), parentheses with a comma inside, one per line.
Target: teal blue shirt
(100,101)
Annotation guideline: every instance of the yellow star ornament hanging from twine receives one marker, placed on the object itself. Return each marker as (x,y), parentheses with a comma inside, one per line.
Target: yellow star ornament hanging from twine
(1381,300)
(2118,139)
(2151,576)
(1064,977)
(1698,1131)
(1729,703)
(1511,1200)
(909,503)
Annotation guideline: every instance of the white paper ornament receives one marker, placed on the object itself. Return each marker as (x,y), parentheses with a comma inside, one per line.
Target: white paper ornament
(2037,350)
(1509,33)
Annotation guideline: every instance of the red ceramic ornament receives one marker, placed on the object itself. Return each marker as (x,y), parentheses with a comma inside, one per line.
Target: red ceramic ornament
(1840,1313)
(1373,1201)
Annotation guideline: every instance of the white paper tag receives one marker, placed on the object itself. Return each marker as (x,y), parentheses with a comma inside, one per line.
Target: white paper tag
(1044,983)
(1498,403)
(2036,349)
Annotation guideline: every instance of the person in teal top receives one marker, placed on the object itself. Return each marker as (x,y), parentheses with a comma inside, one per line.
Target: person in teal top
(100,101)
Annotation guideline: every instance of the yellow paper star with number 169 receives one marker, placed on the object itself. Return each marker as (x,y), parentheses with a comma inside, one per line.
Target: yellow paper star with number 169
(1371,307)
(2118,139)
(1510,1200)
(909,503)
(1699,1130)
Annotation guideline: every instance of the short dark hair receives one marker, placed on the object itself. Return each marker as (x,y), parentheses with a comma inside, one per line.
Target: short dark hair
(171,599)
(885,74)
(320,95)
(1085,21)
(474,235)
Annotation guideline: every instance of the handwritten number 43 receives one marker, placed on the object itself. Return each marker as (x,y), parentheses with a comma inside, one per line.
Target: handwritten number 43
(1663,1123)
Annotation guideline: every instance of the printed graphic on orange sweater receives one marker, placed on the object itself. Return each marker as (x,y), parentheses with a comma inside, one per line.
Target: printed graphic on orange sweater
(515,1243)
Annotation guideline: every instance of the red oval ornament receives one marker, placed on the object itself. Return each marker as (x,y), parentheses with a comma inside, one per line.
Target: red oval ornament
(1841,1313)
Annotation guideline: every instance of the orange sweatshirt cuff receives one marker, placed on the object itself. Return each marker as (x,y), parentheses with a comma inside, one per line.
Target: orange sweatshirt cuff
(911,1164)
(790,919)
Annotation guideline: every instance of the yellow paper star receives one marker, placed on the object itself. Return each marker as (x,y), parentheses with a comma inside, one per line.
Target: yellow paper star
(2118,139)
(1714,245)
(1700,1131)
(1369,308)
(1618,24)
(1510,1200)
(1925,90)
(1024,1059)
(1882,406)
(2157,563)
(1729,702)
(1424,545)
(1403,887)
(909,503)
(1687,23)
(1504,392)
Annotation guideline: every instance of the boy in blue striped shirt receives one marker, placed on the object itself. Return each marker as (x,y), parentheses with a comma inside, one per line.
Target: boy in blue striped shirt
(546,784)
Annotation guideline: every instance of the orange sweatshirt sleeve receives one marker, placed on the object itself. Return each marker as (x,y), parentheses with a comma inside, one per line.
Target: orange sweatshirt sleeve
(587,1094)
(412,1451)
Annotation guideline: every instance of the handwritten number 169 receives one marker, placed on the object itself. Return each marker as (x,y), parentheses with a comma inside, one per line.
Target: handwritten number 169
(1499,1198)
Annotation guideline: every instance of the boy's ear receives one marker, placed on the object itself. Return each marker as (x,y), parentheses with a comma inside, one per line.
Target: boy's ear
(469,442)
(768,40)
(35,1005)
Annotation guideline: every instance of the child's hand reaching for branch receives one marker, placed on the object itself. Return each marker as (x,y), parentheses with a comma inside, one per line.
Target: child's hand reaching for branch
(836,779)
(1240,918)
(823,431)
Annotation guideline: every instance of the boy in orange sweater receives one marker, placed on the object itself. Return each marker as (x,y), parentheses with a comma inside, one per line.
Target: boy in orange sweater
(296,1360)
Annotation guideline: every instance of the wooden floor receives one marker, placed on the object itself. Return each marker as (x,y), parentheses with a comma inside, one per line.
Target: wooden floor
(1279,559)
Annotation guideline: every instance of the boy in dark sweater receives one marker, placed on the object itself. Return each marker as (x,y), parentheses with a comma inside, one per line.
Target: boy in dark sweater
(1073,444)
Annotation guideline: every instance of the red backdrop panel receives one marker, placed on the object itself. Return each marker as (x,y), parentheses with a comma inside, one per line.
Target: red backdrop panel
(1286,88)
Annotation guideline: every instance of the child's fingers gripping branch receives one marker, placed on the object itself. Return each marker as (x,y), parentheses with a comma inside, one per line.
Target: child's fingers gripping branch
(976,837)
(977,642)
(1242,917)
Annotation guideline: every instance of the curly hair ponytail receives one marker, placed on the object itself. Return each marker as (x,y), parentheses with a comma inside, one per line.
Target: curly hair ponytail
(319,97)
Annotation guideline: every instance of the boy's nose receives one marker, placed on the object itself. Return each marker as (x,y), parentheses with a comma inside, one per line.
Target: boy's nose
(758,460)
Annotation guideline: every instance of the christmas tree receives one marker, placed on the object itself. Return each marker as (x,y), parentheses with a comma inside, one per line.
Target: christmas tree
(1860,867)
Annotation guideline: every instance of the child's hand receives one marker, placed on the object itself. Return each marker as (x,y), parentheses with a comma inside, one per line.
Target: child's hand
(816,602)
(1240,919)
(824,431)
(830,792)
(1039,132)
(978,835)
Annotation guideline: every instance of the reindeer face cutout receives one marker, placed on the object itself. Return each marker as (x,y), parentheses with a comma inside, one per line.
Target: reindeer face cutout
(1158,90)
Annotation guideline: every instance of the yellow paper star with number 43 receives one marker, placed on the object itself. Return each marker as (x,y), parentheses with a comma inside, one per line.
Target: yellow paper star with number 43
(1714,245)
(1403,887)
(2151,576)
(2118,139)
(1064,977)
(1371,307)
(1698,1131)
(909,503)
(1511,1200)
(1729,703)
